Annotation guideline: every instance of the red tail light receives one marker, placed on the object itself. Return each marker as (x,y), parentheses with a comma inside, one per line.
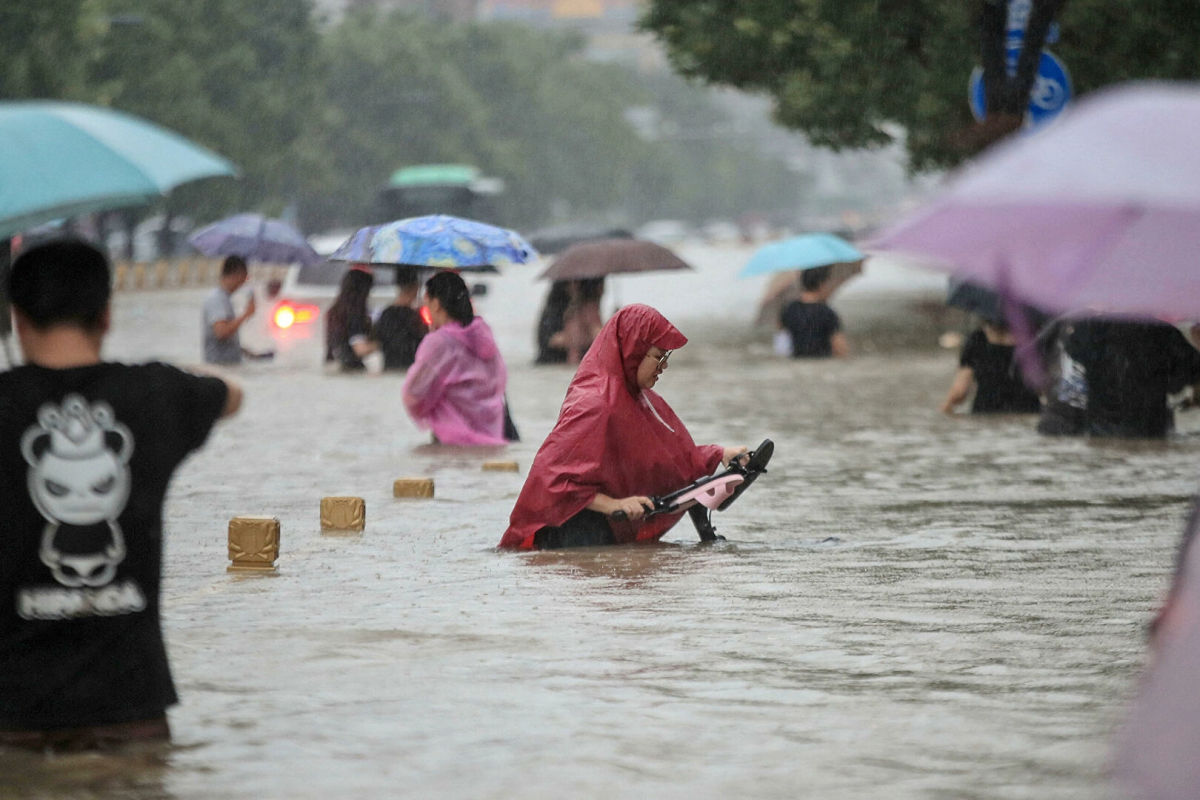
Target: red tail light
(287,314)
(426,317)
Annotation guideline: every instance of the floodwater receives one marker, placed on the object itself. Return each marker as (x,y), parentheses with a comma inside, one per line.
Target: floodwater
(907,606)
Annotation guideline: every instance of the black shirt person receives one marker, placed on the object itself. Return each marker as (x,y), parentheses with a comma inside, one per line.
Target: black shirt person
(400,328)
(87,449)
(815,328)
(987,364)
(1131,367)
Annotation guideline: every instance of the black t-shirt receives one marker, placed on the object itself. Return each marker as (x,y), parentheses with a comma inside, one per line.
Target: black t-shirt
(998,384)
(811,326)
(86,454)
(399,330)
(1131,366)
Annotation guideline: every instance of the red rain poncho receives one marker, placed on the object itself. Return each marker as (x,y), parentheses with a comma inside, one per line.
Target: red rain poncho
(612,437)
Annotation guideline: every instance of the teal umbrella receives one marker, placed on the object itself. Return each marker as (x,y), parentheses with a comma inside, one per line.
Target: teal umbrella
(801,252)
(63,159)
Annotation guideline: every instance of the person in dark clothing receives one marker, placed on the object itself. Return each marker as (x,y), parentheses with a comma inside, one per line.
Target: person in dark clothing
(400,328)
(987,364)
(1064,412)
(87,450)
(551,322)
(1131,367)
(348,323)
(815,328)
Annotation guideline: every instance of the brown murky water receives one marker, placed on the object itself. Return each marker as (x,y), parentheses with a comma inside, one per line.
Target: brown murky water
(907,606)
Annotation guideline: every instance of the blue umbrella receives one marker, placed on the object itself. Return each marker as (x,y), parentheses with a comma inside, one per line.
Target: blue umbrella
(809,251)
(255,238)
(64,159)
(436,241)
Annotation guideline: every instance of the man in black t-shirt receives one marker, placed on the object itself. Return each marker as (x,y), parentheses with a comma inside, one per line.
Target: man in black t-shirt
(87,449)
(814,327)
(400,328)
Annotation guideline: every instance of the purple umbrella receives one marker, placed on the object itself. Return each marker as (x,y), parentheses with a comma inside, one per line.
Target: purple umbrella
(1159,752)
(1100,210)
(255,238)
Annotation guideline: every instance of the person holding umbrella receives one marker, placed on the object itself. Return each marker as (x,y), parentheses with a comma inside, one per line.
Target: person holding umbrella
(400,329)
(814,327)
(825,262)
(348,332)
(582,267)
(581,320)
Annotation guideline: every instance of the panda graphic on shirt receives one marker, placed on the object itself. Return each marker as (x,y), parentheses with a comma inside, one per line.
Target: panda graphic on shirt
(79,480)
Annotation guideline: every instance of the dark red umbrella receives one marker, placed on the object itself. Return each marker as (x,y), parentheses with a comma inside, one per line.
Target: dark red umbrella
(607,256)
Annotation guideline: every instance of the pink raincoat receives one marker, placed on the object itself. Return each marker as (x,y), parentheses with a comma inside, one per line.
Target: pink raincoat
(456,385)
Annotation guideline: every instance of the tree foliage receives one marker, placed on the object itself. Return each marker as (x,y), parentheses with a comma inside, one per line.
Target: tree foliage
(318,118)
(48,47)
(860,73)
(241,78)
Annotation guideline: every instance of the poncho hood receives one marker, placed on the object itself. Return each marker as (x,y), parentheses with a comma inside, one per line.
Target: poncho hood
(455,387)
(612,437)
(476,337)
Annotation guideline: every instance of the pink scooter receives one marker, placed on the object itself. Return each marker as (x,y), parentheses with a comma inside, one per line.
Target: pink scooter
(714,493)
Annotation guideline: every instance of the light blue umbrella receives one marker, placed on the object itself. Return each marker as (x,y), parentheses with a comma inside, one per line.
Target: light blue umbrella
(64,159)
(436,241)
(808,251)
(255,238)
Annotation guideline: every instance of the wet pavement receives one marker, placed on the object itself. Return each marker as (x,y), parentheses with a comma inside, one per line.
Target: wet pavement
(907,606)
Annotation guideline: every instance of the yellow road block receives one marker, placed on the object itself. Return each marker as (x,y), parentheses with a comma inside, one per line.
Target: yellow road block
(413,487)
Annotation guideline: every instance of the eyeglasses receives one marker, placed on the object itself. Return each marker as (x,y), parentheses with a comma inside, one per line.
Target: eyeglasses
(661,360)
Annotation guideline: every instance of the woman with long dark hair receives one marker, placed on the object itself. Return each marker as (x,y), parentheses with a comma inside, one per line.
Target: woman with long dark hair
(550,324)
(348,322)
(456,385)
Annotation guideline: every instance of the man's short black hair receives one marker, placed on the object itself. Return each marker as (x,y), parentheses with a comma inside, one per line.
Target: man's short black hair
(61,282)
(233,265)
(406,276)
(812,279)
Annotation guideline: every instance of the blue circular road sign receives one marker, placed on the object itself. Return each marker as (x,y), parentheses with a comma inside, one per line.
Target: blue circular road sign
(1050,94)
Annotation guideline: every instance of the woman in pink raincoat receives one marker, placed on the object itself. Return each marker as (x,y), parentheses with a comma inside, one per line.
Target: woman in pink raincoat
(456,385)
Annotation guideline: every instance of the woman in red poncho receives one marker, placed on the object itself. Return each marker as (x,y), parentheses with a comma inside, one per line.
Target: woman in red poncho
(616,442)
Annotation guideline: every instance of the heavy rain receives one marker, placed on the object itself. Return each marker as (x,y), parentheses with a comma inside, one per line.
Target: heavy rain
(961,574)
